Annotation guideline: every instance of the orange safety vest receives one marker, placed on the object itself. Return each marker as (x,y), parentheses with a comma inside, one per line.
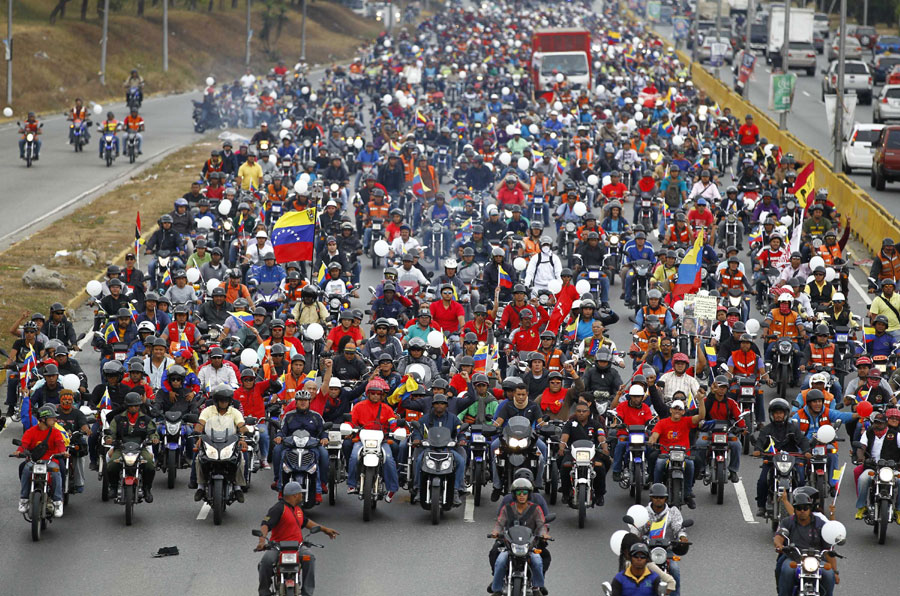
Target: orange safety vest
(804,421)
(784,325)
(553,358)
(377,211)
(660,311)
(890,267)
(828,396)
(745,363)
(545,184)
(732,280)
(821,356)
(682,237)
(277,195)
(587,154)
(830,253)
(532,247)
(640,147)
(133,124)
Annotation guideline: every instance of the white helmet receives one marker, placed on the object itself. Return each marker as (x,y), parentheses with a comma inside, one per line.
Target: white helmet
(636,390)
(785,297)
(818,378)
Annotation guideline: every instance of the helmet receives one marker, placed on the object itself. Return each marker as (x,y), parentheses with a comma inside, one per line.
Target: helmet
(813,395)
(892,413)
(179,372)
(659,490)
(113,367)
(497,252)
(302,394)
(133,366)
(222,393)
(680,357)
(377,384)
(653,294)
(801,499)
(636,390)
(47,411)
(133,399)
(521,484)
(639,548)
(480,378)
(417,343)
(880,319)
(779,404)
(863,361)
(440,398)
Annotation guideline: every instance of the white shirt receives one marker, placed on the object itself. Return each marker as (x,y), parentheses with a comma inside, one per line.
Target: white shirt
(877,445)
(247,80)
(401,248)
(155,373)
(230,421)
(253,251)
(685,383)
(413,274)
(709,191)
(210,377)
(541,270)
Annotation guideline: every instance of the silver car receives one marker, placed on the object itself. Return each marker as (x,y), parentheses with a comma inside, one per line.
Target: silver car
(858,150)
(888,105)
(704,54)
(852,49)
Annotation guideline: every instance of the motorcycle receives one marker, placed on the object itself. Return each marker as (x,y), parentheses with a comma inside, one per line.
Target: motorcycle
(131,146)
(337,469)
(30,150)
(300,464)
(131,490)
(809,563)
(640,272)
(134,98)
(746,388)
(269,296)
(768,277)
(79,133)
(582,474)
(108,140)
(612,260)
(783,365)
(442,162)
(594,273)
(634,475)
(253,455)
(818,464)
(371,467)
(551,432)
(288,577)
(566,239)
(645,212)
(336,303)
(718,457)
(784,471)
(479,471)
(177,429)
(675,474)
(219,455)
(520,542)
(40,499)
(436,476)
(518,449)
(436,248)
(882,495)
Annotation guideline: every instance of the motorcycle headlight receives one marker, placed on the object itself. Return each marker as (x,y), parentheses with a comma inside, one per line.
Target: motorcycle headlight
(370,444)
(173,428)
(783,466)
(810,564)
(582,457)
(886,474)
(445,465)
(429,464)
(29,137)
(211,452)
(335,303)
(130,458)
(228,451)
(637,439)
(676,456)
(570,227)
(658,555)
(519,550)
(289,558)
(785,348)
(614,239)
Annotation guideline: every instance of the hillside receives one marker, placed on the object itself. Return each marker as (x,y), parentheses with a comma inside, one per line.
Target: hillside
(53,64)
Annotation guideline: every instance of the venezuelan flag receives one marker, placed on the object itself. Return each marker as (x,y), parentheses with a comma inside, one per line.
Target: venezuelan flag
(869,334)
(710,352)
(689,271)
(691,402)
(418,187)
(105,402)
(321,275)
(243,316)
(183,341)
(166,279)
(134,313)
(407,385)
(595,345)
(658,529)
(504,278)
(293,236)
(111,335)
(754,237)
(572,329)
(613,37)
(481,356)
(465,230)
(771,448)
(29,363)
(420,117)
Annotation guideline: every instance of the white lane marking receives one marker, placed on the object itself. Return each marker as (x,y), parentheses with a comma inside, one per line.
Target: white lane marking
(859,290)
(806,93)
(469,515)
(87,338)
(744,502)
(204,511)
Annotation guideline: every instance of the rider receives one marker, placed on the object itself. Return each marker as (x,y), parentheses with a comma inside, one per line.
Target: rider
(522,512)
(780,434)
(440,415)
(111,126)
(221,416)
(373,414)
(880,442)
(673,526)
(584,427)
(302,418)
(135,123)
(31,126)
(721,407)
(132,426)
(802,530)
(676,430)
(46,437)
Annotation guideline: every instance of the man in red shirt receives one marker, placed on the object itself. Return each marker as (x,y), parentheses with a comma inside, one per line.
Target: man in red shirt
(513,311)
(346,328)
(252,397)
(374,414)
(615,189)
(43,436)
(748,133)
(448,314)
(528,337)
(676,430)
(721,407)
(480,326)
(701,217)
(510,192)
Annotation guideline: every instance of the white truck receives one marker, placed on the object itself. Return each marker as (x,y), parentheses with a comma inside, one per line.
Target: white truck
(801,29)
(738,6)
(706,9)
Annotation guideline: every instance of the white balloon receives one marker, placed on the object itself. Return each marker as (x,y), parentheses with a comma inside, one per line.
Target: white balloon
(638,116)
(557,105)
(639,515)
(210,81)
(505,158)
(410,101)
(94,288)
(212,285)
(583,286)
(382,248)
(830,274)
(282,134)
(273,159)
(489,166)
(314,331)
(579,209)
(435,339)
(834,532)
(825,434)
(8,112)
(752,326)
(387,43)
(511,129)
(615,541)
(225,206)
(519,264)
(70,382)
(304,90)
(462,74)
(286,123)
(98,109)
(523,163)
(678,307)
(533,129)
(305,177)
(555,285)
(313,97)
(358,143)
(560,77)
(249,357)
(205,222)
(505,91)
(387,99)
(816,262)
(193,275)
(273,95)
(593,180)
(399,94)
(300,185)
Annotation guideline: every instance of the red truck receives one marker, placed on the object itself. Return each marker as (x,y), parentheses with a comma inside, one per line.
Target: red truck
(565,51)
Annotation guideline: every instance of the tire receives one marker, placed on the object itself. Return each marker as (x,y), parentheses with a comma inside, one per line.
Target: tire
(131,155)
(290,591)
(676,494)
(872,174)
(332,484)
(811,72)
(104,483)
(435,507)
(171,468)
(782,386)
(720,482)
(128,497)
(517,588)
(37,510)
(582,505)
(477,476)
(28,165)
(879,181)
(553,485)
(218,501)
(745,443)
(368,494)
(637,485)
(884,519)
(109,158)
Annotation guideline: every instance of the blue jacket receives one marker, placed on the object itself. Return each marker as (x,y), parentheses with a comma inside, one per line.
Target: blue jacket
(308,420)
(633,254)
(448,420)
(626,586)
(264,274)
(367,157)
(162,320)
(815,421)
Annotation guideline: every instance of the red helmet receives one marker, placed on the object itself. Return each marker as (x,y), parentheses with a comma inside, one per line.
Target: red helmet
(863,361)
(681,357)
(377,384)
(893,413)
(874,374)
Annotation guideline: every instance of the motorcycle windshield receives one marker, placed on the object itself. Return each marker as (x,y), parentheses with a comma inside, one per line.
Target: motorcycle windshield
(172,416)
(439,436)
(518,427)
(519,535)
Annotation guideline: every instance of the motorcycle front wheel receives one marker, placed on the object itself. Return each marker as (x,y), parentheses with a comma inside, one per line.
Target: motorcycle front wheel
(368,494)
(884,519)
(128,497)
(435,507)
(332,483)
(477,477)
(218,501)
(720,482)
(582,505)
(37,511)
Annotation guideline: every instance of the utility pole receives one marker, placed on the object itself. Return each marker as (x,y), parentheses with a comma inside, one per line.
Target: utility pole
(785,48)
(9,49)
(165,35)
(303,34)
(839,99)
(249,34)
(718,20)
(865,12)
(750,10)
(103,42)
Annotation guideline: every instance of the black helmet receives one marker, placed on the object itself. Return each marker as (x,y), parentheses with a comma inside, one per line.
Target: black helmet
(814,394)
(779,404)
(133,399)
(133,366)
(801,498)
(113,367)
(639,548)
(659,490)
(222,393)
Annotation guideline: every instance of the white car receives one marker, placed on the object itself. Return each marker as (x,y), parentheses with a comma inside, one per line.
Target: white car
(705,52)
(887,107)
(858,150)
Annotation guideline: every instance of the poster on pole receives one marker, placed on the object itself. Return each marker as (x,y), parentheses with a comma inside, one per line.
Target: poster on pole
(699,314)
(680,27)
(850,100)
(653,10)
(781,91)
(717,53)
(748,61)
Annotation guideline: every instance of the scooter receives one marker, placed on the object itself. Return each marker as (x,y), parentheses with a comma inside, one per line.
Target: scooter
(300,464)
(219,455)
(438,469)
(174,441)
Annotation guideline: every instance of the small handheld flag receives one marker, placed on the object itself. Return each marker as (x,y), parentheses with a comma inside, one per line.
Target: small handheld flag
(503,277)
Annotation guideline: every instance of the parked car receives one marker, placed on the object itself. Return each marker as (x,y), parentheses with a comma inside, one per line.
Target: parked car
(701,29)
(886,159)
(852,49)
(882,66)
(858,150)
(818,42)
(867,36)
(888,105)
(704,54)
(759,37)
(857,77)
(888,43)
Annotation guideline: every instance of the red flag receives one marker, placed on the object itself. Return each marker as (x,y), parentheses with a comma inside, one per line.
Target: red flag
(137,233)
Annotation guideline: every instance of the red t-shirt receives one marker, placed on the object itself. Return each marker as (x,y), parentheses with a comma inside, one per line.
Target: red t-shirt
(614,190)
(697,219)
(527,340)
(747,135)
(447,318)
(338,332)
(471,327)
(632,416)
(459,383)
(675,433)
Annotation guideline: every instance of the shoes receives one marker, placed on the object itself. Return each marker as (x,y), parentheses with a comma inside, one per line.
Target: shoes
(897,516)
(543,590)
(413,495)
(600,500)
(94,466)
(264,466)
(11,411)
(148,496)
(566,498)
(617,476)
(198,496)
(456,500)
(23,505)
(57,508)
(352,490)
(861,512)
(760,512)
(79,489)
(274,486)
(832,490)
(318,498)
(192,484)
(733,476)
(690,502)
(389,497)
(495,495)
(324,488)
(238,495)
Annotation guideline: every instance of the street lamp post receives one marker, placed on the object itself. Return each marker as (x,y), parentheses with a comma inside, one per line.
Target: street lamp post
(104,41)
(839,98)
(785,49)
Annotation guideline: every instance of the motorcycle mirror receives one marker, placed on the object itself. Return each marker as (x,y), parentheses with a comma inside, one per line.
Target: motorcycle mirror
(257,533)
(628,520)
(687,523)
(17,441)
(550,517)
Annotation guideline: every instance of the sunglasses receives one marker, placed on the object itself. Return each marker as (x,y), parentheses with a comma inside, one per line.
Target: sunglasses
(640,556)
(802,507)
(555,381)
(521,492)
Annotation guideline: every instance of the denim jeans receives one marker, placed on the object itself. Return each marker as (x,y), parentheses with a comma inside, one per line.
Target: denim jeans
(55,476)
(546,212)
(675,572)
(787,576)
(619,455)
(734,453)
(762,483)
(249,114)
(500,568)
(322,462)
(390,468)
(460,472)
(539,478)
(37,147)
(659,473)
(862,490)
(603,283)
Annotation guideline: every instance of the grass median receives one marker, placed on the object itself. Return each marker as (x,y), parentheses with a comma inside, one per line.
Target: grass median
(105,225)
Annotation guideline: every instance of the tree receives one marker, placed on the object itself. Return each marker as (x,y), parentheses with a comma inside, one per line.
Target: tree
(273,19)
(58,11)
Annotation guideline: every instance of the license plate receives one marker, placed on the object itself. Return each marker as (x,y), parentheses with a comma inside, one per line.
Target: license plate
(720,438)
(820,450)
(40,468)
(538,200)
(376,227)
(477,438)
(841,337)
(276,208)
(594,274)
(121,355)
(646,203)
(334,436)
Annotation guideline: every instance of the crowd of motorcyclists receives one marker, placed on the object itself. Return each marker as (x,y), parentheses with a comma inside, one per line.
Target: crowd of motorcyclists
(484,358)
